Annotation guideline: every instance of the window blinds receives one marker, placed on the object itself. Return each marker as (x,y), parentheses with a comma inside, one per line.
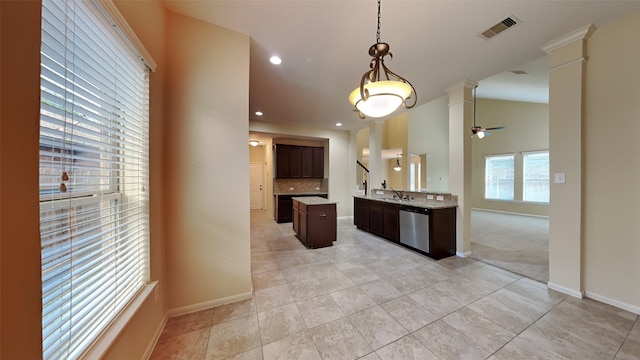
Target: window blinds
(93,175)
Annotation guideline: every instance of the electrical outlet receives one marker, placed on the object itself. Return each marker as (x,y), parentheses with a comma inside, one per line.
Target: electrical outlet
(317,188)
(429,197)
(291,188)
(379,192)
(439,198)
(558,178)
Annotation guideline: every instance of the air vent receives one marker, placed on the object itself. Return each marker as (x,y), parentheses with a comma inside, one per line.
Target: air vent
(519,72)
(500,27)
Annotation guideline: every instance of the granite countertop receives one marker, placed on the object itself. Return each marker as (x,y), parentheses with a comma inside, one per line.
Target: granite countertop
(426,204)
(300,193)
(314,200)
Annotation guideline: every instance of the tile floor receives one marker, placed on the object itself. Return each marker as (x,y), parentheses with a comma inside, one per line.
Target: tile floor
(366,298)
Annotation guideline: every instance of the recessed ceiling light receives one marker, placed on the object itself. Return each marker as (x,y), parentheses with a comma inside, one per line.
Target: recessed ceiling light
(338,124)
(259,113)
(254,142)
(275,60)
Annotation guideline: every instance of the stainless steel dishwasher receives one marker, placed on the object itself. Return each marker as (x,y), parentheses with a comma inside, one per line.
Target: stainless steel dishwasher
(414,227)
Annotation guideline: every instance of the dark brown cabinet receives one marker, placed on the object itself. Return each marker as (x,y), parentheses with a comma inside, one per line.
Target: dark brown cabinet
(284,206)
(294,161)
(361,214)
(391,223)
(315,225)
(378,218)
(383,219)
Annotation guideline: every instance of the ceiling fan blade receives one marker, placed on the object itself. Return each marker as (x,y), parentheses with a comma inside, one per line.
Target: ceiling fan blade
(496,128)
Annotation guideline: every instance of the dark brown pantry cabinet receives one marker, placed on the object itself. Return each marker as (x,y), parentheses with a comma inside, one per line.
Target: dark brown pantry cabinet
(314,221)
(293,161)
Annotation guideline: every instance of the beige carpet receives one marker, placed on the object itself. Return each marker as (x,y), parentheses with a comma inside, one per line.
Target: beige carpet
(516,243)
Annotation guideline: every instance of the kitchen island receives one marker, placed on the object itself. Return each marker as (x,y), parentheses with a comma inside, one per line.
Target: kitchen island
(425,223)
(314,221)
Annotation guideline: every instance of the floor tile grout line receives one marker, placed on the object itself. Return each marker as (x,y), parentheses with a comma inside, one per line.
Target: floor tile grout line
(636,322)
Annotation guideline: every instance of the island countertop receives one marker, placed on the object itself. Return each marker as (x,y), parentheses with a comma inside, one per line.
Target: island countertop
(313,200)
(421,203)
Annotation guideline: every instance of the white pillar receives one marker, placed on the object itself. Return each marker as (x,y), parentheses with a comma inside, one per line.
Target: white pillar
(460,123)
(375,155)
(567,58)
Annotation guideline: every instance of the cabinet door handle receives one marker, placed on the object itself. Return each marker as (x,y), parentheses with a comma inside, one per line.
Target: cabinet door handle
(323,215)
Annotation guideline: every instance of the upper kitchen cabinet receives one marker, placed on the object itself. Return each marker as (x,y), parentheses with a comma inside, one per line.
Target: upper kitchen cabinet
(293,161)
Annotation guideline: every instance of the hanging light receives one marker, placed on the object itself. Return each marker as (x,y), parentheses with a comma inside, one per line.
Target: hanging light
(254,142)
(397,167)
(381,90)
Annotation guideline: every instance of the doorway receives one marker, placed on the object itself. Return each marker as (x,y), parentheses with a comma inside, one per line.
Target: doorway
(256,186)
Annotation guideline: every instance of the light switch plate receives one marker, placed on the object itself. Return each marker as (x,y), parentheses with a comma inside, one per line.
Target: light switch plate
(440,198)
(379,192)
(558,178)
(429,197)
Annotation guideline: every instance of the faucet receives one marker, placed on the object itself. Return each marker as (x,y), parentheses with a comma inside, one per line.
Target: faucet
(398,194)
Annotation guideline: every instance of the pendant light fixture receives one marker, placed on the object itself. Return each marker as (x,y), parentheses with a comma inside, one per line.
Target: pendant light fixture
(381,90)
(397,167)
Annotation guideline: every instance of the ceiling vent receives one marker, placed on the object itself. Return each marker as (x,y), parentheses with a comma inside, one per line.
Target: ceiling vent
(500,27)
(519,72)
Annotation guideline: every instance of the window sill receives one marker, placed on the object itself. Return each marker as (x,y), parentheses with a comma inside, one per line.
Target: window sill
(98,349)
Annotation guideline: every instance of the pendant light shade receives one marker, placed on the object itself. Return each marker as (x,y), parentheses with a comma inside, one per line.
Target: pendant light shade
(381,91)
(397,167)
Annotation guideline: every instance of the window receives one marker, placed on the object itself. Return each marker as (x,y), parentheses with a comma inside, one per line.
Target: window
(499,172)
(535,167)
(93,175)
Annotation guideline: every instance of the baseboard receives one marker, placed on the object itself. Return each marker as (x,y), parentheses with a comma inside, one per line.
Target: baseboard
(155,338)
(208,304)
(511,213)
(565,290)
(619,304)
(463,254)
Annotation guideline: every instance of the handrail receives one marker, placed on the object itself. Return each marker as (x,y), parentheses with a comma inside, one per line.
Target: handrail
(362,166)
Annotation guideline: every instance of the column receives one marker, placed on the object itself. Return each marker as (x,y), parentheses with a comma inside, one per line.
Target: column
(460,124)
(566,79)
(375,155)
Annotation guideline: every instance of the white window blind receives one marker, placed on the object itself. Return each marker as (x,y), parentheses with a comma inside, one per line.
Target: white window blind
(499,174)
(93,175)
(535,168)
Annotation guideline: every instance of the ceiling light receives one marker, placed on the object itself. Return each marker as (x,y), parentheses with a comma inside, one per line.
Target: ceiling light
(381,90)
(478,130)
(338,124)
(275,60)
(254,142)
(397,167)
(259,113)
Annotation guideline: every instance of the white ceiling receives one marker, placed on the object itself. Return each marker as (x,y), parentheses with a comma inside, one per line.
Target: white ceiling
(435,44)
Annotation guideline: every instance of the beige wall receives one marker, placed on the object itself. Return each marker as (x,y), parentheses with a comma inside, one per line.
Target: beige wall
(395,135)
(256,153)
(527,129)
(428,133)
(207,238)
(20,329)
(611,159)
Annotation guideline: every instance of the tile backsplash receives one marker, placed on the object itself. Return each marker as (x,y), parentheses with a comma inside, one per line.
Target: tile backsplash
(284,186)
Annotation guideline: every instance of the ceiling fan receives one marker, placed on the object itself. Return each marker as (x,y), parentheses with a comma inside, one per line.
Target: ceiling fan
(478,130)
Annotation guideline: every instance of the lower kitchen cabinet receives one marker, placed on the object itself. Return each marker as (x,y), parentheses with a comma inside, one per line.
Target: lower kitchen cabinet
(283,206)
(315,222)
(382,218)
